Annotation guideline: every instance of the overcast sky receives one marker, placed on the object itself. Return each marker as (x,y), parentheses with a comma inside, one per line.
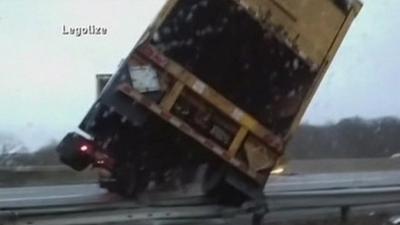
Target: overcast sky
(47,79)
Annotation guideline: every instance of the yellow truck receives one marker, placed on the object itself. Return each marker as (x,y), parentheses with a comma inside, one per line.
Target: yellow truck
(211,93)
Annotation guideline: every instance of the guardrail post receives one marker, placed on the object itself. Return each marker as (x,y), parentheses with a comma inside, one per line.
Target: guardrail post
(258,216)
(344,214)
(258,208)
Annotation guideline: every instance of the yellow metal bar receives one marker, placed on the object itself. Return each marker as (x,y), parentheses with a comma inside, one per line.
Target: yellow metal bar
(237,141)
(128,90)
(213,97)
(169,100)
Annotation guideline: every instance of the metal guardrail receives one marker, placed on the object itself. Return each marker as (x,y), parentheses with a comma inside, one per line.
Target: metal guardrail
(55,168)
(334,198)
(289,205)
(124,215)
(290,197)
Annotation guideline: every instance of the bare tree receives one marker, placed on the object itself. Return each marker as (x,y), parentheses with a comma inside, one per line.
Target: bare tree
(9,147)
(10,144)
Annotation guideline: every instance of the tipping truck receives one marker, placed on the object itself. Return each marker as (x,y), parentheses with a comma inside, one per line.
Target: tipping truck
(211,93)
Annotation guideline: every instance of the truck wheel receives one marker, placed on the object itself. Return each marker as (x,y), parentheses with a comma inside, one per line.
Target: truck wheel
(215,186)
(213,179)
(123,182)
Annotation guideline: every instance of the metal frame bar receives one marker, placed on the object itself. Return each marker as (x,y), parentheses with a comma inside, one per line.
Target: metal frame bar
(129,91)
(212,97)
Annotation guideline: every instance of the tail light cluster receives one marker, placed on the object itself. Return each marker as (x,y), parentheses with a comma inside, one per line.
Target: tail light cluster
(78,152)
(84,148)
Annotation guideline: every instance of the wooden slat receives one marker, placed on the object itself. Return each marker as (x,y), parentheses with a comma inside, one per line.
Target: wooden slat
(169,100)
(237,141)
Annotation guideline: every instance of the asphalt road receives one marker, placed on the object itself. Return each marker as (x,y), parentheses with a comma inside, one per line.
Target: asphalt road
(24,197)
(280,190)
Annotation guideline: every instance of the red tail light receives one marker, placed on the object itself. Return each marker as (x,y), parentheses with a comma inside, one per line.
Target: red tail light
(84,148)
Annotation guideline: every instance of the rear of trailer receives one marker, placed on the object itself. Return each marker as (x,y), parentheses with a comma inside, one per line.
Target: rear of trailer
(213,84)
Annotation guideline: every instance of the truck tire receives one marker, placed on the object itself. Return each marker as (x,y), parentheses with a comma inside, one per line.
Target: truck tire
(124,181)
(214,177)
(214,185)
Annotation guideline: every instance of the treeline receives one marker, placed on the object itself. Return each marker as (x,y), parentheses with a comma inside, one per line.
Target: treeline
(42,157)
(349,138)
